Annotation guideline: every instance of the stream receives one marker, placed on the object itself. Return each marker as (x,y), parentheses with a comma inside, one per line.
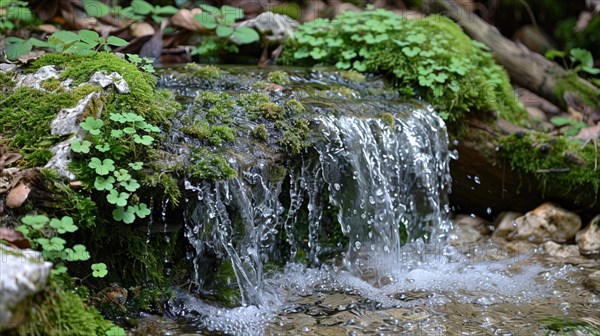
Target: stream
(355,238)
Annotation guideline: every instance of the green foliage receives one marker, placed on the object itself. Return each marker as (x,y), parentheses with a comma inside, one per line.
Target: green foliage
(572,127)
(58,310)
(25,117)
(581,60)
(139,9)
(208,165)
(557,162)
(84,42)
(278,77)
(155,106)
(222,21)
(43,233)
(260,132)
(14,13)
(429,58)
(109,161)
(571,326)
(143,63)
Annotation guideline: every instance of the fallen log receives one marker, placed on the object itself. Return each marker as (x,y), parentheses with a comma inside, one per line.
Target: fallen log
(525,68)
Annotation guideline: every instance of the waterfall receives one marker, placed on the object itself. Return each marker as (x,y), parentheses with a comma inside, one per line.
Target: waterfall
(381,181)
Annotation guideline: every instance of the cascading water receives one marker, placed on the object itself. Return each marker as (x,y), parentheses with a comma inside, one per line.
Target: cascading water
(387,182)
(357,224)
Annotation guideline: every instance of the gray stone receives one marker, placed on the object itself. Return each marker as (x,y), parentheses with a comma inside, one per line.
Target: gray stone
(7,67)
(274,27)
(547,222)
(101,79)
(67,120)
(588,239)
(34,80)
(560,251)
(505,224)
(22,274)
(62,156)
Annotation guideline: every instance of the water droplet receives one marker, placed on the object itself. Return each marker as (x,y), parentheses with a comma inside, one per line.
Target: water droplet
(476,179)
(336,186)
(357,245)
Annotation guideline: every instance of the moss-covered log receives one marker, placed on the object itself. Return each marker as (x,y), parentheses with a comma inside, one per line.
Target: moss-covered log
(526,68)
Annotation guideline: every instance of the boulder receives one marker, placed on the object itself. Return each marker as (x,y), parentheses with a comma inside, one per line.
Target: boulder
(547,222)
(22,274)
(505,223)
(34,80)
(588,239)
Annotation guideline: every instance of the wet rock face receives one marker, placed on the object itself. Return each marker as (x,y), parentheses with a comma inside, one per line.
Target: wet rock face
(588,239)
(22,274)
(547,222)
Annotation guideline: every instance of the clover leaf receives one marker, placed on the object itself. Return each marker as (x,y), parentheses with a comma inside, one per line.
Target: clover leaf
(92,125)
(130,185)
(102,148)
(142,210)
(116,133)
(144,140)
(102,167)
(78,252)
(52,244)
(35,221)
(116,331)
(122,175)
(119,199)
(63,225)
(99,270)
(129,130)
(80,146)
(102,183)
(126,216)
(136,165)
(59,269)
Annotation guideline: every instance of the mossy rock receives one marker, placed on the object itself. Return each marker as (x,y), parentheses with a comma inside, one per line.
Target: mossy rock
(59,310)
(430,58)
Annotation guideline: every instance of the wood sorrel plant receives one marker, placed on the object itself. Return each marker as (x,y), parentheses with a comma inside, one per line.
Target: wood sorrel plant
(110,163)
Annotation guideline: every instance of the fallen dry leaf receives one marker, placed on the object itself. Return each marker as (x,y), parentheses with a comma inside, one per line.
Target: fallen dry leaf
(589,133)
(17,195)
(142,29)
(14,237)
(185,19)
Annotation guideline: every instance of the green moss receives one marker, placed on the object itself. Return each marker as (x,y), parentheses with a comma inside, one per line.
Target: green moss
(571,83)
(278,77)
(220,134)
(557,162)
(388,118)
(571,326)
(290,9)
(209,72)
(344,91)
(252,101)
(227,290)
(271,111)
(291,142)
(219,106)
(277,174)
(59,311)
(353,76)
(260,132)
(207,165)
(166,183)
(142,99)
(25,118)
(430,58)
(52,85)
(294,107)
